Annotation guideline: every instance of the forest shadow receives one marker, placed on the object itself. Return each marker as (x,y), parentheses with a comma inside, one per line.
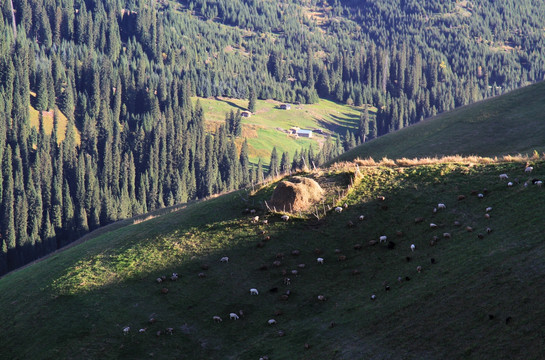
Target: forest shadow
(232,104)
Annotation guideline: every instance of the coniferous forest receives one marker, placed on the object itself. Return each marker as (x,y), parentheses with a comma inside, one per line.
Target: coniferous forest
(118,134)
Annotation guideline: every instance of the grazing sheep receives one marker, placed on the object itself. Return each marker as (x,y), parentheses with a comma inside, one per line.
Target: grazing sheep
(252,211)
(419,268)
(142,330)
(528,169)
(539,183)
(373,242)
(461,197)
(159,280)
(341,258)
(201,275)
(224,259)
(294,272)
(361,217)
(233,316)
(413,247)
(321,298)
(126,330)
(338,209)
(381,198)
(287,281)
(255,219)
(337,251)
(446,235)
(469,229)
(345,205)
(285,217)
(488,209)
(373,297)
(265,222)
(350,224)
(433,226)
(277,263)
(488,230)
(434,210)
(254,291)
(510,184)
(169,330)
(174,277)
(217,318)
(487,216)
(152,320)
(457,223)
(163,277)
(271,322)
(296,252)
(503,176)
(358,247)
(383,238)
(441,206)
(301,266)
(480,195)
(480,236)
(418,220)
(164,291)
(320,260)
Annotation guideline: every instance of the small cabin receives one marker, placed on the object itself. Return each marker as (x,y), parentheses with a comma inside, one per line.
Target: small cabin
(293,130)
(246,114)
(285,106)
(304,133)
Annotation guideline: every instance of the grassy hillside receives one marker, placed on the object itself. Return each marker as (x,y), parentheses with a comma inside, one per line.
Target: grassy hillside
(478,296)
(264,128)
(509,124)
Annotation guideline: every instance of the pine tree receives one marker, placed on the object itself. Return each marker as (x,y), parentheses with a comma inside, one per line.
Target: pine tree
(252,100)
(259,173)
(8,216)
(42,95)
(273,166)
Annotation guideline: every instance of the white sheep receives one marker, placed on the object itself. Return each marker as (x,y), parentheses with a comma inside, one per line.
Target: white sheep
(338,209)
(254,291)
(255,219)
(252,211)
(488,209)
(224,259)
(539,183)
(285,217)
(480,195)
(321,298)
(433,226)
(413,247)
(362,217)
(503,176)
(446,235)
(217,318)
(373,297)
(441,206)
(126,330)
(174,277)
(383,238)
(528,169)
(143,330)
(233,316)
(320,260)
(509,184)
(271,322)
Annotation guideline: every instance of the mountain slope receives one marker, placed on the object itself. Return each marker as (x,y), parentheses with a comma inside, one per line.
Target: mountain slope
(471,302)
(508,124)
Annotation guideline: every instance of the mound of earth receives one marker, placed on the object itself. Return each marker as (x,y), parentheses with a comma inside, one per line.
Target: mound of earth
(296,194)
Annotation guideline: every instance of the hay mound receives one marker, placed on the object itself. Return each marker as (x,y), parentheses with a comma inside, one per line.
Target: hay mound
(296,194)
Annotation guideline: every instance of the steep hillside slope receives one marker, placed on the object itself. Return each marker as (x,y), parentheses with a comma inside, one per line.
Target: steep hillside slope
(508,124)
(477,291)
